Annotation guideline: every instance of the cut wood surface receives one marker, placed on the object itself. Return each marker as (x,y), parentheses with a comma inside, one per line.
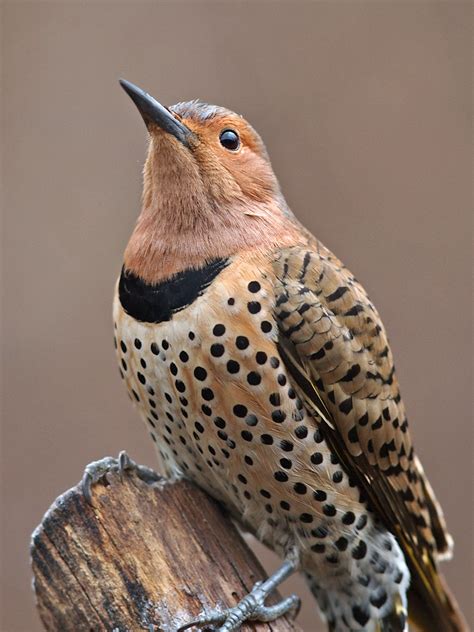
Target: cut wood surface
(141,557)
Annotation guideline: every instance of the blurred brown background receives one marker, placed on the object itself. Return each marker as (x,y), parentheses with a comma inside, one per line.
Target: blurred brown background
(365,109)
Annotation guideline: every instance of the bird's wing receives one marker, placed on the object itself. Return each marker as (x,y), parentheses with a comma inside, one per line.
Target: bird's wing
(335,347)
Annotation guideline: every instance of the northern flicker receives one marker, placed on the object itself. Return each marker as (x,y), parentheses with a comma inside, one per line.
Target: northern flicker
(263,373)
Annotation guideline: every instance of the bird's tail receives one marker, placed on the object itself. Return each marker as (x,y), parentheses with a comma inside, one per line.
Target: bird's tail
(432,607)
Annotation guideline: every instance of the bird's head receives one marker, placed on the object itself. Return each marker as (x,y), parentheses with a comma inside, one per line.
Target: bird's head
(209,189)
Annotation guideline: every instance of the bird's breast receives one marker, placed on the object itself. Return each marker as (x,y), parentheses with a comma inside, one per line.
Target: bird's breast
(218,403)
(199,358)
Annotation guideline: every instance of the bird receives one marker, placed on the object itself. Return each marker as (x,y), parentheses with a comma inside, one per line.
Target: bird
(263,373)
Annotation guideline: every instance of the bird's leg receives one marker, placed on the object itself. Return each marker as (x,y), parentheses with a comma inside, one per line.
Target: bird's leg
(252,606)
(98,470)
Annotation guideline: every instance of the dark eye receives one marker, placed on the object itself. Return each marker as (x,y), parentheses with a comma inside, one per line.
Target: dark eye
(230,139)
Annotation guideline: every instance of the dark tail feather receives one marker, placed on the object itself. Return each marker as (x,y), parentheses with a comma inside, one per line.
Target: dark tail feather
(433,607)
(395,621)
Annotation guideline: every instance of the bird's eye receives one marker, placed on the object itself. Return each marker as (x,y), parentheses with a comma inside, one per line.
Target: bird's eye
(230,139)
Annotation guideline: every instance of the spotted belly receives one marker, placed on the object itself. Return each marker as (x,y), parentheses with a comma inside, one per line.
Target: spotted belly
(220,408)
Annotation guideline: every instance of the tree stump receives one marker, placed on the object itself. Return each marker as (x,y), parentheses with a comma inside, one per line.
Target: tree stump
(141,557)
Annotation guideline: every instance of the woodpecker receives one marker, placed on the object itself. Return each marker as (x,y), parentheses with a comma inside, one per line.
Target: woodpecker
(263,373)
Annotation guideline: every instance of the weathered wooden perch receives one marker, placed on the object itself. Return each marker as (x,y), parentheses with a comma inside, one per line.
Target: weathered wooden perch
(141,557)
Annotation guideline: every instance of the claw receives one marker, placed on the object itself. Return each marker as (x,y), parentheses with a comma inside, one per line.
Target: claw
(98,470)
(94,472)
(270,613)
(124,461)
(252,606)
(144,473)
(205,618)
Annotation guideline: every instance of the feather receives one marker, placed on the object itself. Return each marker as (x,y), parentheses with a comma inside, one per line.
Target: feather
(333,344)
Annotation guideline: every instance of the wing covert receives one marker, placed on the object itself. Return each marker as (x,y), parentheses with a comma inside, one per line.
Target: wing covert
(335,342)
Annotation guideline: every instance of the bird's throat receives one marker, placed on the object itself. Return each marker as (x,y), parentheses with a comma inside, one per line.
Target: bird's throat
(163,244)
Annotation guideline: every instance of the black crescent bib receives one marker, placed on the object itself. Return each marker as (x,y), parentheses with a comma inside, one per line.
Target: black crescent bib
(157,303)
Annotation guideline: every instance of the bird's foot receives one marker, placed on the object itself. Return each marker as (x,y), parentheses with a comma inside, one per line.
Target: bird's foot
(98,470)
(252,607)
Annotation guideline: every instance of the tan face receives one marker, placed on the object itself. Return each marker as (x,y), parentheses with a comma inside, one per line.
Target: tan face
(230,156)
(209,190)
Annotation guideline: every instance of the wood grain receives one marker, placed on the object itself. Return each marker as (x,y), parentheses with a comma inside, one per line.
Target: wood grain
(141,557)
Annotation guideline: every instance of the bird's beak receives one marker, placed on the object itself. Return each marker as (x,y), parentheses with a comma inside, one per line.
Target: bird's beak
(153,113)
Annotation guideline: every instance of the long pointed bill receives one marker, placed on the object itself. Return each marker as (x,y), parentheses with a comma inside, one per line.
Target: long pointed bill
(153,113)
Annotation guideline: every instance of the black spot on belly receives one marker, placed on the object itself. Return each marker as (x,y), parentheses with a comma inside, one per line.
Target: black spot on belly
(157,303)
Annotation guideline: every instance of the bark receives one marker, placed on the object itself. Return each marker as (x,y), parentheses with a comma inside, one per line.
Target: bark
(141,557)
